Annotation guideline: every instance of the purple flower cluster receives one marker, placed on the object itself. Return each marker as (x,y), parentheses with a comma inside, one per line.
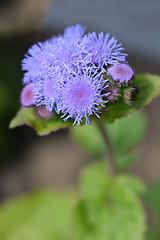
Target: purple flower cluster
(66,73)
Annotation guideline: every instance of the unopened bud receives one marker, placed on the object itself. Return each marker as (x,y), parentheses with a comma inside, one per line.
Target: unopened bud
(130,94)
(42,111)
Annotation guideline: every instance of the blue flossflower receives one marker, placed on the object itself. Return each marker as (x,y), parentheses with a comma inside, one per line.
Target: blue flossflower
(66,71)
(81,96)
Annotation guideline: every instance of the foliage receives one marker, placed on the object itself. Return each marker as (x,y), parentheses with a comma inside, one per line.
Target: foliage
(105,208)
(152,200)
(149,86)
(37,216)
(108,209)
(43,126)
(124,134)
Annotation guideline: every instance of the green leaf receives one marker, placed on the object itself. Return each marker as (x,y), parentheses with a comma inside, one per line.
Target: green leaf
(132,183)
(149,88)
(37,216)
(152,235)
(124,134)
(152,200)
(123,160)
(94,180)
(28,116)
(109,208)
(90,138)
(153,197)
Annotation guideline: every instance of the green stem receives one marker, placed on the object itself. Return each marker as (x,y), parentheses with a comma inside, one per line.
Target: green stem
(110,156)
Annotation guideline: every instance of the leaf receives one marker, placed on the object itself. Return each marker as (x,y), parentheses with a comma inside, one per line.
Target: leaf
(94,180)
(37,216)
(124,134)
(28,116)
(153,197)
(152,200)
(152,236)
(112,213)
(133,183)
(90,138)
(149,88)
(124,160)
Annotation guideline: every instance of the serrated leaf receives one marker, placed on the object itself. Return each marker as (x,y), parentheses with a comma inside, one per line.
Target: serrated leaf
(114,213)
(37,216)
(149,88)
(28,116)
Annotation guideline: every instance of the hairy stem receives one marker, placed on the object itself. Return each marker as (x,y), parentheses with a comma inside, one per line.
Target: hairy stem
(110,156)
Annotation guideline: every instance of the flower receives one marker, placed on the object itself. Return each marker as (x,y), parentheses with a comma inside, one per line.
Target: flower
(121,73)
(27,97)
(35,62)
(104,50)
(80,96)
(61,55)
(66,72)
(45,91)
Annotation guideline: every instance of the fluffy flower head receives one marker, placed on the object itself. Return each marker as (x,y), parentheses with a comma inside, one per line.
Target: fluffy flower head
(66,72)
(121,73)
(80,96)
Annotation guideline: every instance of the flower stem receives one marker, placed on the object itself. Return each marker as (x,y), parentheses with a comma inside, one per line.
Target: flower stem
(109,151)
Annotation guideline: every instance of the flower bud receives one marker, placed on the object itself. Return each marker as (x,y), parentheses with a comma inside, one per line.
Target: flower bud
(113,92)
(130,94)
(27,97)
(42,111)
(120,73)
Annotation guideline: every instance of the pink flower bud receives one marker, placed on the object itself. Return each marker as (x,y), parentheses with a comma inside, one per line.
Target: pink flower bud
(42,111)
(27,97)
